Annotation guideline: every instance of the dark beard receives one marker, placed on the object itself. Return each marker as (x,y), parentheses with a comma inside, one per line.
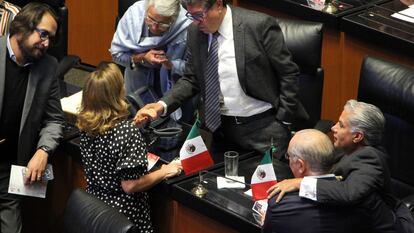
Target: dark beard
(29,54)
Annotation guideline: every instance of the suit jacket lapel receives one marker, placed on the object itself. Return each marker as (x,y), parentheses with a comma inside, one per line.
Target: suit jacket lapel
(34,77)
(3,48)
(238,37)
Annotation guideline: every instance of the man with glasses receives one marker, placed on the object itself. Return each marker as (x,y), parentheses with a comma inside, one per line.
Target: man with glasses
(310,154)
(248,86)
(150,43)
(31,117)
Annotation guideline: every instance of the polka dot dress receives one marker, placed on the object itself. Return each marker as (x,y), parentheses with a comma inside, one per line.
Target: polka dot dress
(118,154)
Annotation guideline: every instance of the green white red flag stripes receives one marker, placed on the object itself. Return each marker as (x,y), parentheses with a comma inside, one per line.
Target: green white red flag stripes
(194,155)
(263,177)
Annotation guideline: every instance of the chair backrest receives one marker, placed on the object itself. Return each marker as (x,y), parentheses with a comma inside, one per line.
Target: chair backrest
(390,87)
(304,41)
(85,213)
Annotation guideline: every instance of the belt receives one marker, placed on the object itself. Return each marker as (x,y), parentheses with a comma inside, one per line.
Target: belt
(243,120)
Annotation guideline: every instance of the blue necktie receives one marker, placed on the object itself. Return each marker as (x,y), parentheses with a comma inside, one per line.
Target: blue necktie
(212,92)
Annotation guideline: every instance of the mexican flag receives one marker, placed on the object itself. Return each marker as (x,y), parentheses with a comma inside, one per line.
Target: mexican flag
(263,177)
(194,155)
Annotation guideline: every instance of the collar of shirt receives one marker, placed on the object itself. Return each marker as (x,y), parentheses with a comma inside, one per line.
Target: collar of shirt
(327,176)
(11,53)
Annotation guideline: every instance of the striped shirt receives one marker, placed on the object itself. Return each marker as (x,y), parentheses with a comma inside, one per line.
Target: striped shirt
(7,13)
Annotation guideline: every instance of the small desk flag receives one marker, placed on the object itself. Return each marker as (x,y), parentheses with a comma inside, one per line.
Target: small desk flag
(194,155)
(263,177)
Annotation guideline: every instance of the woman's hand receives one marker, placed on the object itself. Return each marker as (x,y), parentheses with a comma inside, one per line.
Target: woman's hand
(285,186)
(172,169)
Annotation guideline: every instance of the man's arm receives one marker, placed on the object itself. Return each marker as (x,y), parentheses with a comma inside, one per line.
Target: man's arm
(366,175)
(287,70)
(49,135)
(188,85)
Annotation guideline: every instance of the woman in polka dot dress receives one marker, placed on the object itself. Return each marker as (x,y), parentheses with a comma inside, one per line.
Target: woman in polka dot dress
(113,150)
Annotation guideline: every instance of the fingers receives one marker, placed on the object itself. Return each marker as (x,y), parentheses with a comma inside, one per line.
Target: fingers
(280,196)
(34,176)
(273,191)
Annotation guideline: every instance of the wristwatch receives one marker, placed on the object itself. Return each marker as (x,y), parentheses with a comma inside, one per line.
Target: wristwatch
(45,149)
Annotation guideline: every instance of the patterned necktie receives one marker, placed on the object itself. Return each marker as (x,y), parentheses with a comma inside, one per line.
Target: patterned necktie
(211,95)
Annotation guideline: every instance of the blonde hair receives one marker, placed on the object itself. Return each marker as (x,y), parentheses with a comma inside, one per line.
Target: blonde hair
(103,100)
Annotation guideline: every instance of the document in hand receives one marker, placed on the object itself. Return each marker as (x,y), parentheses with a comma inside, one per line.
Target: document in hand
(37,189)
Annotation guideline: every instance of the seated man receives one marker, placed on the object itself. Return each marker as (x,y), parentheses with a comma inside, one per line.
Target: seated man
(310,154)
(150,42)
(357,135)
(7,13)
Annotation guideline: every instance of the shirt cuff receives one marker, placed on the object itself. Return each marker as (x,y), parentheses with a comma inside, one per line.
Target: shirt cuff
(308,188)
(164,113)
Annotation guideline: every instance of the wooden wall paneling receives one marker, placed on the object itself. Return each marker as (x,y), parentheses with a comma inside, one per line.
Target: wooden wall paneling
(356,49)
(190,221)
(91,28)
(332,56)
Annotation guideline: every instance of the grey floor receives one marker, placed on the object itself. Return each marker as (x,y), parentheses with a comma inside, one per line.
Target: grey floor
(76,76)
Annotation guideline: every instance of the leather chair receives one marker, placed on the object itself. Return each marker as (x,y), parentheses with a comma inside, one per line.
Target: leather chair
(390,87)
(304,41)
(60,49)
(85,213)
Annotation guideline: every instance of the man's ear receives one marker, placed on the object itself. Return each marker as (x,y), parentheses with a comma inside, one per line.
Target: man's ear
(358,137)
(302,167)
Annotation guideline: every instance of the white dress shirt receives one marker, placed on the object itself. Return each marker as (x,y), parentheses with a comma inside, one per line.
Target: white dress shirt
(234,101)
(308,186)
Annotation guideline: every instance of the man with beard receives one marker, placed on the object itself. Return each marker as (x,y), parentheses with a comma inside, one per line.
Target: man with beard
(31,115)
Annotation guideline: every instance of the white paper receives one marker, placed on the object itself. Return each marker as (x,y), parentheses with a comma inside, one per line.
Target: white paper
(223,182)
(71,104)
(249,193)
(152,160)
(406,15)
(17,186)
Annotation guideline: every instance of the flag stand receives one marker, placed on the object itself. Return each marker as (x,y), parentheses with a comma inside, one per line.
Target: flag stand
(199,190)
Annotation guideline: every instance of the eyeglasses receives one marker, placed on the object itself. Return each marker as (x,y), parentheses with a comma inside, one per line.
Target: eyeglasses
(287,156)
(161,26)
(45,35)
(198,16)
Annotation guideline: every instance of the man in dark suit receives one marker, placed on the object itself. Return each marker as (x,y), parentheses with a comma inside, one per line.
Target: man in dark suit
(362,164)
(249,94)
(31,117)
(310,154)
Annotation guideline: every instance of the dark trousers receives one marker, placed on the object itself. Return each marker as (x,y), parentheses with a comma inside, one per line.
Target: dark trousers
(10,218)
(257,134)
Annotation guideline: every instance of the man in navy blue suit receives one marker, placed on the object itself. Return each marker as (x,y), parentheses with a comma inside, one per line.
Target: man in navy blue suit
(310,153)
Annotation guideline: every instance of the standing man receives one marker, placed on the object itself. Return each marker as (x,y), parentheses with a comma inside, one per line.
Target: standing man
(31,117)
(7,13)
(310,154)
(150,43)
(239,63)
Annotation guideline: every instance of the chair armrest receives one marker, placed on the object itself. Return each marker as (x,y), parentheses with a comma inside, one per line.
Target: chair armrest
(324,126)
(66,64)
(409,202)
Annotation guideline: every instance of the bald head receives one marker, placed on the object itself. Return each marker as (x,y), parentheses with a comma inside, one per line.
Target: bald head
(314,149)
